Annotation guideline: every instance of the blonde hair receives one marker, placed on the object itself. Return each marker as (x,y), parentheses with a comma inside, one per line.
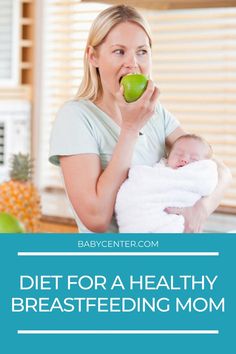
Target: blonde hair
(91,87)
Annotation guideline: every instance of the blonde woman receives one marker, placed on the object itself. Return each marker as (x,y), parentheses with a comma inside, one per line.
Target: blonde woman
(98,136)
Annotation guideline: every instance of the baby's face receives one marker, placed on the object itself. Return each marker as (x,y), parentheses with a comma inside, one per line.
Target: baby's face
(186,151)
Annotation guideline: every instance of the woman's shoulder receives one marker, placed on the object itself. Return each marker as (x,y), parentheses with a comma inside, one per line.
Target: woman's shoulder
(166,117)
(161,110)
(72,132)
(76,112)
(74,105)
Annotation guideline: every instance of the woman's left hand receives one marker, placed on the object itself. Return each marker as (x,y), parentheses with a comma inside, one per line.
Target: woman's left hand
(195,216)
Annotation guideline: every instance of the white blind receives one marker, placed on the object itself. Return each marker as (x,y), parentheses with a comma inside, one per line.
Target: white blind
(65,31)
(195,68)
(9,22)
(194,64)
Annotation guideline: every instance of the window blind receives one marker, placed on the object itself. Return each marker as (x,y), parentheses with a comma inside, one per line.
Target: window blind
(194,65)
(65,29)
(9,31)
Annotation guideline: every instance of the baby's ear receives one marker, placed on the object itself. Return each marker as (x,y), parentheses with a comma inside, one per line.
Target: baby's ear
(92,56)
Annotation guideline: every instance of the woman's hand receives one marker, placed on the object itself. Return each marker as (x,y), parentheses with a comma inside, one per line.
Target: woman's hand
(136,114)
(195,216)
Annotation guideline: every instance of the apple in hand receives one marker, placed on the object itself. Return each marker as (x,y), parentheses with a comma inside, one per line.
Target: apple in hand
(134,86)
(9,224)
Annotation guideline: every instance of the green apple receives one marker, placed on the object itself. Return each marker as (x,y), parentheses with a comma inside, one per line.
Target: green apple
(9,224)
(134,86)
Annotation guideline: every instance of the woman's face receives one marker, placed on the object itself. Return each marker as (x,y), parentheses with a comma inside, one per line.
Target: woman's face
(125,50)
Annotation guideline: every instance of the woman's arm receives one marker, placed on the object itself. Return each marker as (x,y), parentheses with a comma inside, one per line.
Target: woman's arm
(224,179)
(92,191)
(196,216)
(178,132)
(206,205)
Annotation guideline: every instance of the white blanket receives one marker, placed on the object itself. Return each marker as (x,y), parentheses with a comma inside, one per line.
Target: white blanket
(143,197)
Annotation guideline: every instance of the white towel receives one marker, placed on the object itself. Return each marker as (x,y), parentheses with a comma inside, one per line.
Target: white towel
(147,191)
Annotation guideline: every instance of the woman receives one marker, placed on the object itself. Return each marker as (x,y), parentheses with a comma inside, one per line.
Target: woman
(98,136)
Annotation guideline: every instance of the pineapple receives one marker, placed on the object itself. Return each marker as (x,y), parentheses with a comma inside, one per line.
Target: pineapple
(19,196)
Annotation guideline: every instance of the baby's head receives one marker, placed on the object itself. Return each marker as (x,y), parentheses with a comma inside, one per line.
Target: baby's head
(188,148)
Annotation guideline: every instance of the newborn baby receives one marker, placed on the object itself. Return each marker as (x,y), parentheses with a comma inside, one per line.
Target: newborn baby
(178,181)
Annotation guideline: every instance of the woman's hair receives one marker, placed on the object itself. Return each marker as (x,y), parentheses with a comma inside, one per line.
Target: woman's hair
(91,87)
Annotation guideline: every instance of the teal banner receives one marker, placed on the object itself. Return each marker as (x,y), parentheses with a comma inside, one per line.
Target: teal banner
(117,293)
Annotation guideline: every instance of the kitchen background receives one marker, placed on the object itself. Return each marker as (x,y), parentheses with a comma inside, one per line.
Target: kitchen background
(41,65)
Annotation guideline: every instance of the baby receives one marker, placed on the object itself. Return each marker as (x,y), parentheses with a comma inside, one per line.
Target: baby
(188,148)
(184,177)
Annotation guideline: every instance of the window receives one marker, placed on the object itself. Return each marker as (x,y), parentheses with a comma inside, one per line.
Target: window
(9,36)
(194,56)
